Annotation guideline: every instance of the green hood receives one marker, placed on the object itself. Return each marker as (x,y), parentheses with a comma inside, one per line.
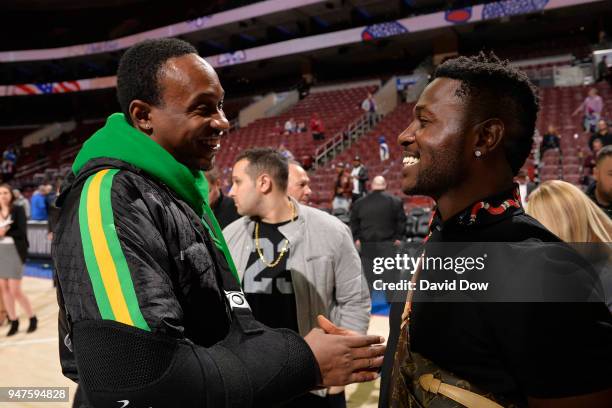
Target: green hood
(119,140)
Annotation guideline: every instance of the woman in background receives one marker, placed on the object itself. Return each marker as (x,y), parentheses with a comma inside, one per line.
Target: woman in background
(13,250)
(568,213)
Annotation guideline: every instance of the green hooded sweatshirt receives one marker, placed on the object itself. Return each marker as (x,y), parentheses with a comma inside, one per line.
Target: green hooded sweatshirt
(119,140)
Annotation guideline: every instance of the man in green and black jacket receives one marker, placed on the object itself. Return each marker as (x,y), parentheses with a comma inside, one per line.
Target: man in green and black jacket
(151,311)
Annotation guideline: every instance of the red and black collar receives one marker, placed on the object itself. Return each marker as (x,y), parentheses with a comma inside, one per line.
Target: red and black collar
(483,212)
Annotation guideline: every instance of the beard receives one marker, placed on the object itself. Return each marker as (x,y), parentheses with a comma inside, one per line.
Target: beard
(443,171)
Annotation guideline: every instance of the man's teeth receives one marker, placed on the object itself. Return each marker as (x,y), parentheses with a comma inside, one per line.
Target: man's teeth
(410,161)
(212,145)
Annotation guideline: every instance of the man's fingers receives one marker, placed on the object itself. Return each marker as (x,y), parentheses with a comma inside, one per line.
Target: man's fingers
(367,363)
(328,326)
(369,352)
(331,328)
(363,376)
(362,341)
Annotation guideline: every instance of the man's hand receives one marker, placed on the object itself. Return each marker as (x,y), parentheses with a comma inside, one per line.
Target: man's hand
(358,244)
(345,359)
(330,328)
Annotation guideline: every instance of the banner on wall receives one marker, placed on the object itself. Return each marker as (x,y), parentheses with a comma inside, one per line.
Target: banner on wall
(441,19)
(404,81)
(46,88)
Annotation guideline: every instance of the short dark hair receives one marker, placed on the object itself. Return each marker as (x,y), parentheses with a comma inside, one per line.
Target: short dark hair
(494,89)
(213,175)
(605,151)
(139,70)
(265,159)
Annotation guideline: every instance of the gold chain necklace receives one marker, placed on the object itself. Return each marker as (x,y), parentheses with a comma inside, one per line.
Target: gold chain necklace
(283,250)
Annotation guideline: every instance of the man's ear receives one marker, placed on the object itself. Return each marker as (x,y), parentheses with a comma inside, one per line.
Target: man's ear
(489,135)
(264,183)
(595,173)
(140,114)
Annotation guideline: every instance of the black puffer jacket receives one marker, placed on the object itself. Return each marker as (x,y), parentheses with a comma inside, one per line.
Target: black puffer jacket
(178,278)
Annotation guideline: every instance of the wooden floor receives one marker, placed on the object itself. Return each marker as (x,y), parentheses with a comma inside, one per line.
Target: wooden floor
(31,360)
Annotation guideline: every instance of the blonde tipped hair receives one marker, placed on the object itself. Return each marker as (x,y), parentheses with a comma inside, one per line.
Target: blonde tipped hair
(568,213)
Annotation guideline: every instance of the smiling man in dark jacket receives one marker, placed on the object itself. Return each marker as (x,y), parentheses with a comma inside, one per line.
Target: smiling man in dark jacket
(543,321)
(151,311)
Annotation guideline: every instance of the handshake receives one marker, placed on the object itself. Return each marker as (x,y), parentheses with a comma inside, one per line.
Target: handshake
(345,356)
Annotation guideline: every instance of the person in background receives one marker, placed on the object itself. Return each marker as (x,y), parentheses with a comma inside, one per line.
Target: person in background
(602,133)
(591,160)
(369,107)
(298,185)
(223,206)
(39,209)
(282,149)
(379,216)
(603,72)
(550,140)
(3,313)
(21,201)
(359,176)
(569,214)
(601,190)
(526,186)
(277,130)
(10,155)
(290,126)
(383,149)
(378,224)
(342,188)
(9,161)
(295,262)
(591,108)
(8,170)
(316,127)
(13,251)
(301,127)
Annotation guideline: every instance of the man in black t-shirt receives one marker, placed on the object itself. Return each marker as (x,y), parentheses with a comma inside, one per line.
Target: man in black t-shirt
(471,133)
(295,262)
(275,307)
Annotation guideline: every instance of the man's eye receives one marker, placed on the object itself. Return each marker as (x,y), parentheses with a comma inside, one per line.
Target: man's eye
(220,105)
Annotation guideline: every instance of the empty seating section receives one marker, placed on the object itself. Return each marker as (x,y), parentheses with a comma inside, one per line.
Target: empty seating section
(337,109)
(46,161)
(556,108)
